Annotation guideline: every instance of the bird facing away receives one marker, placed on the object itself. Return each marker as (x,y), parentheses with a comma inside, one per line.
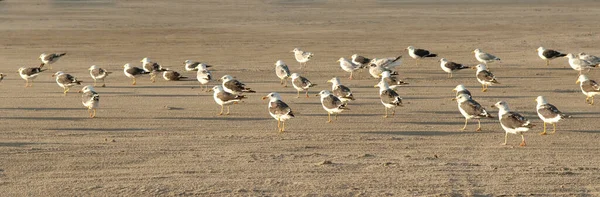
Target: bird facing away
(451,67)
(471,109)
(549,54)
(278,110)
(50,59)
(234,86)
(348,66)
(171,75)
(190,65)
(204,76)
(461,89)
(282,71)
(484,57)
(331,104)
(512,122)
(29,74)
(389,97)
(341,91)
(90,99)
(133,72)
(65,81)
(419,54)
(98,73)
(152,68)
(224,98)
(485,77)
(580,64)
(302,56)
(548,113)
(589,88)
(301,83)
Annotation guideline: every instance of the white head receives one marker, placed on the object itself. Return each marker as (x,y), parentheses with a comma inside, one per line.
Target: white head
(88,88)
(126,66)
(571,56)
(296,50)
(279,63)
(354,56)
(383,85)
(462,98)
(42,56)
(502,106)
(385,74)
(324,93)
(481,67)
(582,78)
(21,69)
(217,88)
(58,73)
(226,78)
(145,60)
(202,66)
(335,81)
(410,48)
(541,100)
(443,60)
(295,75)
(540,49)
(93,67)
(187,62)
(582,54)
(477,51)
(273,96)
(342,59)
(459,87)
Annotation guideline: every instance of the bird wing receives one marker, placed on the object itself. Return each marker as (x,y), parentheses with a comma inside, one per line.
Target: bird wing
(485,75)
(279,107)
(515,120)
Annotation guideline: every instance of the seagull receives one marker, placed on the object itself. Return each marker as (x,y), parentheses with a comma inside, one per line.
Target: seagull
(98,73)
(512,122)
(348,66)
(471,109)
(331,104)
(389,97)
(590,58)
(152,68)
(2,75)
(65,81)
(589,87)
(485,77)
(203,75)
(301,83)
(549,54)
(282,71)
(224,98)
(234,86)
(133,72)
(484,57)
(461,89)
(419,54)
(50,58)
(190,65)
(171,75)
(279,110)
(385,75)
(90,99)
(450,67)
(361,61)
(548,113)
(340,91)
(380,65)
(580,64)
(30,74)
(301,56)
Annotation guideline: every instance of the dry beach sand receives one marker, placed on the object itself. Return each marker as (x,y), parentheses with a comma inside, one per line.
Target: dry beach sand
(138,147)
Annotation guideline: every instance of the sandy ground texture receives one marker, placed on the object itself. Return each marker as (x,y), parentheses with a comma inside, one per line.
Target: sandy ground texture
(165,138)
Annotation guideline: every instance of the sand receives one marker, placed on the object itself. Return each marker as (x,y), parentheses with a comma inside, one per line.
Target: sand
(166,139)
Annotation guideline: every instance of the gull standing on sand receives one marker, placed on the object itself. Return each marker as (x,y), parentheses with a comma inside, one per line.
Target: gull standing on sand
(133,72)
(203,75)
(30,74)
(301,83)
(512,122)
(234,86)
(65,81)
(471,109)
(450,67)
(361,61)
(98,73)
(348,66)
(341,91)
(419,54)
(389,97)
(279,110)
(171,75)
(484,57)
(589,88)
(282,71)
(380,65)
(393,80)
(461,89)
(190,65)
(549,54)
(331,104)
(548,113)
(485,77)
(152,68)
(50,59)
(580,64)
(224,98)
(90,99)
(302,56)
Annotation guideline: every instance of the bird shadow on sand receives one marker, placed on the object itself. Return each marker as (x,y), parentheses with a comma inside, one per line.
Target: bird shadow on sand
(342,115)
(46,118)
(169,95)
(212,118)
(42,109)
(98,129)
(16,144)
(583,131)
(547,68)
(417,133)
(158,87)
(565,91)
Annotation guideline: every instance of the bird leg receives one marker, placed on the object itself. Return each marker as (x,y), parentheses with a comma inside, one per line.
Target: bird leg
(26,83)
(592,103)
(386,113)
(417,62)
(328,117)
(298,95)
(134,82)
(505,138)
(522,140)
(351,73)
(103,83)
(544,132)
(281,81)
(465,127)
(221,113)
(282,127)
(278,124)
(227,111)
(394,111)
(89,112)
(94,82)
(285,83)
(306,93)
(547,62)
(336,116)
(94,114)
(478,125)
(152,77)
(553,128)
(65,91)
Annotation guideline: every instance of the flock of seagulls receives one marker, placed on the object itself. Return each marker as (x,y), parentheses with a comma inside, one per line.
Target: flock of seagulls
(232,91)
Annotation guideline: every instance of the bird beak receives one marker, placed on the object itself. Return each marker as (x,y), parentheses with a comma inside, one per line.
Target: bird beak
(79,91)
(141,60)
(473,68)
(219,80)
(453,99)
(337,61)
(291,51)
(52,76)
(376,86)
(405,49)
(329,81)
(577,82)
(493,106)
(264,97)
(473,52)
(454,90)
